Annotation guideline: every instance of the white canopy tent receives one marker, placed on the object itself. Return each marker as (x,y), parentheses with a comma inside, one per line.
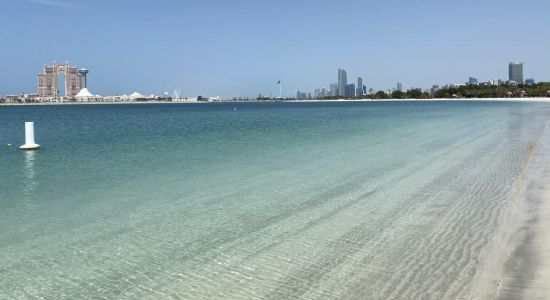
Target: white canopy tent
(84,93)
(136,95)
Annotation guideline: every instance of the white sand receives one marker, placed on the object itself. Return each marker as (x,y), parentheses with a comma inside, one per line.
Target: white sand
(526,274)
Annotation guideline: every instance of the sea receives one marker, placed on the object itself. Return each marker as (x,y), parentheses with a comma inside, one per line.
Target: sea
(354,200)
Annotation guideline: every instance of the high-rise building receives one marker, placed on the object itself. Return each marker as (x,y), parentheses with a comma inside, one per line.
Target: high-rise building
(399,87)
(350,90)
(75,80)
(359,90)
(324,92)
(82,73)
(342,82)
(495,82)
(515,72)
(334,90)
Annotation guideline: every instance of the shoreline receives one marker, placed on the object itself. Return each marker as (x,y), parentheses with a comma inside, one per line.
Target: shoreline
(535,100)
(526,271)
(539,99)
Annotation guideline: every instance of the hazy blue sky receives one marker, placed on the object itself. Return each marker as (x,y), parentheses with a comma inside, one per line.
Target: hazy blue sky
(237,47)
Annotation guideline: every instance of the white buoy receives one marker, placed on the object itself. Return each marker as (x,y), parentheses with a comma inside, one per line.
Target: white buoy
(29,137)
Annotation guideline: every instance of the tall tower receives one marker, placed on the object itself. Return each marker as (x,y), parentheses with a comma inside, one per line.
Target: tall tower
(47,81)
(399,87)
(359,91)
(75,80)
(72,80)
(342,82)
(515,72)
(82,73)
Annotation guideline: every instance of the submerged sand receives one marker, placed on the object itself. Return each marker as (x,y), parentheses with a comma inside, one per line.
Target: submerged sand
(450,208)
(526,274)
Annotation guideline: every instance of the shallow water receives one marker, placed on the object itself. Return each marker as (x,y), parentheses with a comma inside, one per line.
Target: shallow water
(280,200)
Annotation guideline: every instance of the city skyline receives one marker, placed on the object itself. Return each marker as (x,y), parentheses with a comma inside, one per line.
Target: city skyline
(185,47)
(515,76)
(75,82)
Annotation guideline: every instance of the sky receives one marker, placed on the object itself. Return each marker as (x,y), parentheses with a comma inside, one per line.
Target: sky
(243,47)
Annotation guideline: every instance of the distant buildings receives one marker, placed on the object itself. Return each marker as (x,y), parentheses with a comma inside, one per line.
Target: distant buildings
(399,87)
(360,91)
(350,90)
(75,80)
(515,72)
(302,96)
(343,89)
(333,90)
(434,89)
(495,82)
(342,82)
(320,93)
(339,89)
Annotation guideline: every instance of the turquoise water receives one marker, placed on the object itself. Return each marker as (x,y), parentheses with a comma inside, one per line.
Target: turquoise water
(248,201)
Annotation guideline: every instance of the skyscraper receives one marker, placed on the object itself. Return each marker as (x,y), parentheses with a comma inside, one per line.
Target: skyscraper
(324,92)
(515,72)
(74,79)
(350,90)
(342,82)
(334,89)
(359,91)
(399,86)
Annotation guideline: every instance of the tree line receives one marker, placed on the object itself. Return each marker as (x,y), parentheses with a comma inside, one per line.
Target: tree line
(541,89)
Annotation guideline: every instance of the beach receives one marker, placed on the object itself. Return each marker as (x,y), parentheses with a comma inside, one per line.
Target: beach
(527,270)
(321,200)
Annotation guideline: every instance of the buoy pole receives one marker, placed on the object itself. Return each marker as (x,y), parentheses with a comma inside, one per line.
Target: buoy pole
(29,137)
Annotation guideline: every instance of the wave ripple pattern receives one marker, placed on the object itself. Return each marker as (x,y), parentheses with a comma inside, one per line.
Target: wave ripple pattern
(269,201)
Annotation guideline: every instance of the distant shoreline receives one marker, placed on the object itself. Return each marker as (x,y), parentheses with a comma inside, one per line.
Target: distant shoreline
(539,99)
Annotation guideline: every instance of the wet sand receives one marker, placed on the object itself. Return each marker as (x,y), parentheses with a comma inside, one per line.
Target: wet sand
(526,274)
